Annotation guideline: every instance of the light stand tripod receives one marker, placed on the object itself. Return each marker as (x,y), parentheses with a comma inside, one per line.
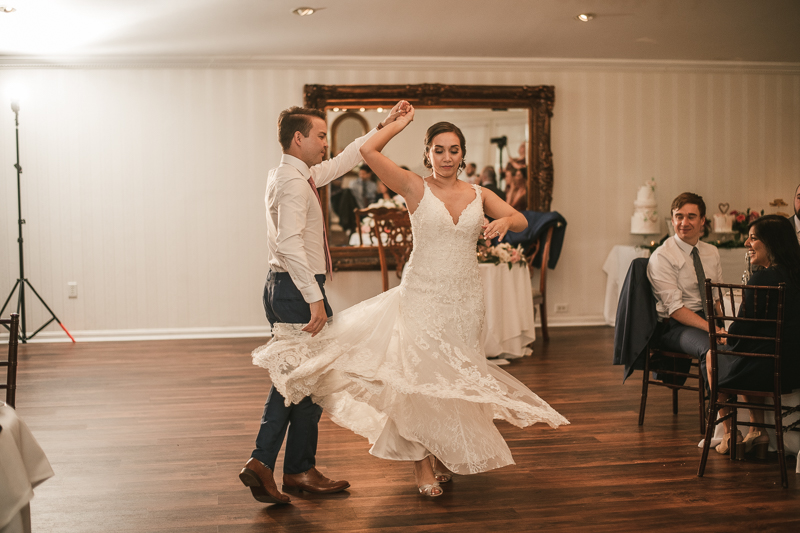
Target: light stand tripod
(21,282)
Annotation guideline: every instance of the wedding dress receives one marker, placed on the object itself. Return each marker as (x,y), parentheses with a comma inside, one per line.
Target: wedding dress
(406,369)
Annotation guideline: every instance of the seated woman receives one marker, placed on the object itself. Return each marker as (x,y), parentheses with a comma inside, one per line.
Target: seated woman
(771,244)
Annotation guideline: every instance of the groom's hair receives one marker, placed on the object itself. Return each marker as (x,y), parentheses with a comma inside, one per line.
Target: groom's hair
(296,119)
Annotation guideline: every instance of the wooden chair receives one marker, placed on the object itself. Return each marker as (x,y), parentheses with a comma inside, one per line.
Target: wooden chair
(637,325)
(769,313)
(10,385)
(392,231)
(647,380)
(361,214)
(540,293)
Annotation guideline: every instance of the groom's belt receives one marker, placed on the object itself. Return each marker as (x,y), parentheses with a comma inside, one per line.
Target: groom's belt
(272,274)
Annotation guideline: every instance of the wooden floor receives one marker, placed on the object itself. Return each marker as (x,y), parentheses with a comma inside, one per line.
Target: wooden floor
(150,437)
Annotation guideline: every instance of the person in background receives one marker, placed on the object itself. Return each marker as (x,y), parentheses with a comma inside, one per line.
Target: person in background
(517,189)
(795,220)
(488,180)
(364,188)
(771,245)
(469,175)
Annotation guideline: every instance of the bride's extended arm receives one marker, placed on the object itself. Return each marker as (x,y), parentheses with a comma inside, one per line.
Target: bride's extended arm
(397,179)
(506,217)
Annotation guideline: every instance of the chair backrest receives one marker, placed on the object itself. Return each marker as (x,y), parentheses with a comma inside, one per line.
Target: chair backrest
(392,231)
(757,321)
(370,212)
(10,385)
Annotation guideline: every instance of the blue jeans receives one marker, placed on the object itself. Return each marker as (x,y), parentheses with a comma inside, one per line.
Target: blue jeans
(283,302)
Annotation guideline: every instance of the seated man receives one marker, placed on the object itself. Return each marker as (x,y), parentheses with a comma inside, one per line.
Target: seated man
(364,188)
(677,271)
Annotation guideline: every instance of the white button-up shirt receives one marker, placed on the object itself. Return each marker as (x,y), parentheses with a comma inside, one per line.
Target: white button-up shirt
(673,278)
(295,237)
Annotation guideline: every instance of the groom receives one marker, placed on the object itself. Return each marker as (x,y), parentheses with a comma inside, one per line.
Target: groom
(297,251)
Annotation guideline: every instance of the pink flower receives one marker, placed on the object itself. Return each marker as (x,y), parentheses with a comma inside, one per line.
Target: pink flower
(734,213)
(741,217)
(754,215)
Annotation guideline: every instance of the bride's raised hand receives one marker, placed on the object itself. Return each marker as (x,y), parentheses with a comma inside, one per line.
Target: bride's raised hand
(399,109)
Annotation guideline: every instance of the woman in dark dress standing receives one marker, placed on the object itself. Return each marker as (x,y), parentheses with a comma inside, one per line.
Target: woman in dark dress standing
(771,244)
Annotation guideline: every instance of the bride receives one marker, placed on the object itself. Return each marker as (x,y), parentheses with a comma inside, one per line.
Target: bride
(406,369)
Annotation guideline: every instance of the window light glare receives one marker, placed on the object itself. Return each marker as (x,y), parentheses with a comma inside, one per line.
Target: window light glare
(304,11)
(585,17)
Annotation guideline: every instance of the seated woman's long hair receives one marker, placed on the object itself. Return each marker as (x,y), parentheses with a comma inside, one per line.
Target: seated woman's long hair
(778,236)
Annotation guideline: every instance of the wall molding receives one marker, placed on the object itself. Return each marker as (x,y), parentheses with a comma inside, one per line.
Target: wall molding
(494,64)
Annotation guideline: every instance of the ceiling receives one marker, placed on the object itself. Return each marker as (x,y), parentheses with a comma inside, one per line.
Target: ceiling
(685,30)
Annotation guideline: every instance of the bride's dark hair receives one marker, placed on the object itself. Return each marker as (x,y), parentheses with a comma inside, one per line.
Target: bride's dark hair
(444,127)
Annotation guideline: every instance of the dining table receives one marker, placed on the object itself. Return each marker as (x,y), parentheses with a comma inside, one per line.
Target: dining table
(508,326)
(23,466)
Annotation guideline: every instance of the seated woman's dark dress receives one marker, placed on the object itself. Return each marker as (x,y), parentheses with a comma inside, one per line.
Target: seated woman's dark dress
(757,374)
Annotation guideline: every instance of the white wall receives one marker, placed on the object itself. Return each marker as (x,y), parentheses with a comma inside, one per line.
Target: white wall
(145,185)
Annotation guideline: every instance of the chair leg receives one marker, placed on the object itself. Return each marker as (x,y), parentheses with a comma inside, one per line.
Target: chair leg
(674,401)
(734,434)
(543,309)
(710,425)
(776,400)
(645,384)
(702,390)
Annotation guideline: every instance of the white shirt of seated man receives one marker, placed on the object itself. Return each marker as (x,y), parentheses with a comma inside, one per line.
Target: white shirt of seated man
(672,274)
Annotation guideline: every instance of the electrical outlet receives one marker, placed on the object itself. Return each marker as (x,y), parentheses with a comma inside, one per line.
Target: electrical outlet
(562,308)
(72,287)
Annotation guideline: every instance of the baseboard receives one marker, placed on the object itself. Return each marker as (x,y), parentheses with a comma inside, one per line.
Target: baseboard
(559,321)
(150,334)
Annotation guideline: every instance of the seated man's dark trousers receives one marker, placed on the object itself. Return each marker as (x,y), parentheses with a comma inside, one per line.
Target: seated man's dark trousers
(284,303)
(673,336)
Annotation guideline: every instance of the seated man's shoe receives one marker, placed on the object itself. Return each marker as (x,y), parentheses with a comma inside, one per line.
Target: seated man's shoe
(312,481)
(261,482)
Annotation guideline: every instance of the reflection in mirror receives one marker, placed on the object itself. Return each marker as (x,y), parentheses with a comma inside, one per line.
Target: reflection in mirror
(345,128)
(479,126)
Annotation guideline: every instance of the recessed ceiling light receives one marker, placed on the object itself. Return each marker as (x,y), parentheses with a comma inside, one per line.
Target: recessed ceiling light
(585,17)
(304,11)
(5,9)
(363,109)
(380,110)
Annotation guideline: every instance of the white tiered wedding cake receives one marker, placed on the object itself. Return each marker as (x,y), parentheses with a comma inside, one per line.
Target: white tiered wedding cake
(645,211)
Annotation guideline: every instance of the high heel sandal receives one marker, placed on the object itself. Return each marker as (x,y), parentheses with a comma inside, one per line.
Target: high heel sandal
(724,447)
(757,442)
(432,490)
(440,476)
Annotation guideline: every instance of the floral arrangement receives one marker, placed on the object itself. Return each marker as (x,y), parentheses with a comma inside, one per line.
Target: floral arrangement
(743,220)
(500,253)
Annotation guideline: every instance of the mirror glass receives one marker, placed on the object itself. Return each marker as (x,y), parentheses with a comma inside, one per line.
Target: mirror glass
(479,126)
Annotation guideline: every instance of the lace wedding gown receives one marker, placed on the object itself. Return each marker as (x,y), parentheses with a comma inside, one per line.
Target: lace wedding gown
(406,369)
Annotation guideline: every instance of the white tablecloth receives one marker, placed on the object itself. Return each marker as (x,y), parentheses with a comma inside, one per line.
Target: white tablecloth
(23,465)
(508,327)
(791,439)
(619,259)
